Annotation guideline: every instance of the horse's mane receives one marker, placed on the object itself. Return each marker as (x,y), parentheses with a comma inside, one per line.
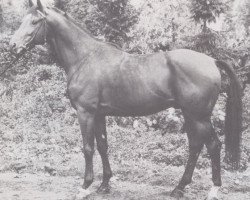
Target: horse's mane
(83,27)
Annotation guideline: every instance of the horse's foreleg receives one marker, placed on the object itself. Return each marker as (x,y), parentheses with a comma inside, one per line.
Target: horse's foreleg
(213,145)
(196,137)
(102,146)
(86,121)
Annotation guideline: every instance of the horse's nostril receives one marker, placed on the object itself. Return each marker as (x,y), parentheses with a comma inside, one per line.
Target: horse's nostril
(12,47)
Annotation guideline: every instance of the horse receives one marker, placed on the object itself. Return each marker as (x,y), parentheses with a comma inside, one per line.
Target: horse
(103,80)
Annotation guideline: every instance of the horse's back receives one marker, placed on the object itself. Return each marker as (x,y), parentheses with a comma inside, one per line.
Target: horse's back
(196,80)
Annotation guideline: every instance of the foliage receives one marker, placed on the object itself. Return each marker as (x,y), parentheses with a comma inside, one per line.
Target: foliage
(61,4)
(245,16)
(206,11)
(108,19)
(161,26)
(12,13)
(114,19)
(6,58)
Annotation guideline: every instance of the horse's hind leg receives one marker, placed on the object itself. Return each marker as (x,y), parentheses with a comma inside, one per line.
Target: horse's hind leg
(197,131)
(213,145)
(102,146)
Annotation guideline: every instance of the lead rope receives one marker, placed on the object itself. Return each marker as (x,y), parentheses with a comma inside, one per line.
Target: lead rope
(11,64)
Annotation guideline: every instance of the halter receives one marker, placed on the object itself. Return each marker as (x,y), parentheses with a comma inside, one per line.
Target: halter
(43,24)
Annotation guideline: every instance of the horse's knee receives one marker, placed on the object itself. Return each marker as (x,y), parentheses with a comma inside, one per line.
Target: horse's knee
(88,151)
(102,145)
(214,146)
(102,149)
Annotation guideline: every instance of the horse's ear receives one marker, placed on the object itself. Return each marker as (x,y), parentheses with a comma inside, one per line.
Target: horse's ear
(39,5)
(31,4)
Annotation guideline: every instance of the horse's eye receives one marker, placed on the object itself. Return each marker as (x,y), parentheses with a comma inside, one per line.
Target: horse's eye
(34,22)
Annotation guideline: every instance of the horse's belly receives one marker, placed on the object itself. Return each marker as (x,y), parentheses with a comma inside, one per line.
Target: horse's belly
(135,106)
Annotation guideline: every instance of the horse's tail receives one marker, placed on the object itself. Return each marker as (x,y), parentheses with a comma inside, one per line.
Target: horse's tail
(233,118)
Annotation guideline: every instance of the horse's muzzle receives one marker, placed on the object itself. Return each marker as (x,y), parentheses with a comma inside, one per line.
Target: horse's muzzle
(14,49)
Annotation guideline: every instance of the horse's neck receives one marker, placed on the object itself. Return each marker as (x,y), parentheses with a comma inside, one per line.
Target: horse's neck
(71,45)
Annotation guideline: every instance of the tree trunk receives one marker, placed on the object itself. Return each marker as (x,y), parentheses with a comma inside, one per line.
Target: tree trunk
(1,17)
(173,31)
(204,28)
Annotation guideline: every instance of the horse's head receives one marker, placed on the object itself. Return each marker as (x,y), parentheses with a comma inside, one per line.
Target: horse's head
(33,30)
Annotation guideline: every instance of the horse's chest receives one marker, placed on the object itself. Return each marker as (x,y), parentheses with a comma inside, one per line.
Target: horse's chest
(83,91)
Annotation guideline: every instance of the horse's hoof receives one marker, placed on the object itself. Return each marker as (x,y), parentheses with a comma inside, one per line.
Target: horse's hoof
(213,193)
(86,184)
(177,193)
(82,193)
(103,189)
(213,198)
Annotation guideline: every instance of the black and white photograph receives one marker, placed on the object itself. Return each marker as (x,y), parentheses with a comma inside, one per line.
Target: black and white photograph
(124,99)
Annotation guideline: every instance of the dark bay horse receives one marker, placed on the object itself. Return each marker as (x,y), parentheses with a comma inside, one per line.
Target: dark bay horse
(106,81)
